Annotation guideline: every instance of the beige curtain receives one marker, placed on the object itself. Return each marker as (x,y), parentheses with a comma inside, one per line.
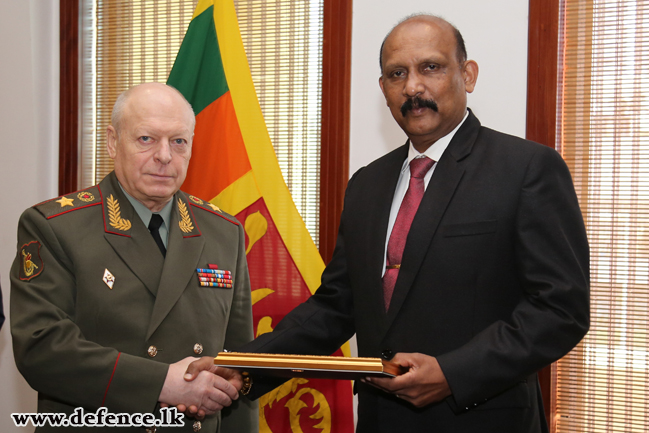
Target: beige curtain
(603,133)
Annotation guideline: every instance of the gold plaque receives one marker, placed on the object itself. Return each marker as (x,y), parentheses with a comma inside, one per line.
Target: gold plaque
(321,367)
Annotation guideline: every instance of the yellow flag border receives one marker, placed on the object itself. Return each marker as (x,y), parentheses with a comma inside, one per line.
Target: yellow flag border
(267,177)
(270,181)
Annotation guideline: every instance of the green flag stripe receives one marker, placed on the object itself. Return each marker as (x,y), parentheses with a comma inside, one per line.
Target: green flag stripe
(198,69)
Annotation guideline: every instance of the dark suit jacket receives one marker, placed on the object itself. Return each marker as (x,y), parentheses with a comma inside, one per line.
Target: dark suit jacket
(81,343)
(494,282)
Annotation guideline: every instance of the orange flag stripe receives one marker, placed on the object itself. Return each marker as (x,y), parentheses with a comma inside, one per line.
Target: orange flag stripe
(216,124)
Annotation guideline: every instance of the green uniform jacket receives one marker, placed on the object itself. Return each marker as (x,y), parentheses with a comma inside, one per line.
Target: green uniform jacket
(97,313)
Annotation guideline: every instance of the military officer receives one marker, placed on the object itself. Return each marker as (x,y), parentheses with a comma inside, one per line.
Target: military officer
(116,287)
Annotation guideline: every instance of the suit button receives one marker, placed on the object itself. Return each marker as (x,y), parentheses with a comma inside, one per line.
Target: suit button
(197,426)
(198,348)
(387,354)
(152,351)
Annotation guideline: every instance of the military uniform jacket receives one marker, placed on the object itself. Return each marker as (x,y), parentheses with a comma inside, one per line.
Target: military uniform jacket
(97,313)
(493,283)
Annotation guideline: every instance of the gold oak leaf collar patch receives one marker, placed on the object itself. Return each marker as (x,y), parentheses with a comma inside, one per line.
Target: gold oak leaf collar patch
(185,222)
(115,215)
(31,262)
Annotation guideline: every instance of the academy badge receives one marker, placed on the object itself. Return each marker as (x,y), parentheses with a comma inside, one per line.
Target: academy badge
(109,279)
(31,263)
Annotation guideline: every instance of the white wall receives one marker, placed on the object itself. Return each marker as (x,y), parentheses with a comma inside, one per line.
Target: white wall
(496,37)
(495,34)
(29,153)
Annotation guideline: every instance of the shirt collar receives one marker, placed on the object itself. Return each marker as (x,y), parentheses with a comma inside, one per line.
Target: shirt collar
(436,150)
(145,213)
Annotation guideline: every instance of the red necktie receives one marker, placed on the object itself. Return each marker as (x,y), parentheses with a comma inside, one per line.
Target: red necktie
(418,169)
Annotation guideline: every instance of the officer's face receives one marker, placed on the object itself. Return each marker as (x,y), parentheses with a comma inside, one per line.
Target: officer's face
(423,81)
(154,144)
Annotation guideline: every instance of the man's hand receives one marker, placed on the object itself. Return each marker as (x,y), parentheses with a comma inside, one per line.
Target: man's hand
(200,366)
(205,390)
(423,384)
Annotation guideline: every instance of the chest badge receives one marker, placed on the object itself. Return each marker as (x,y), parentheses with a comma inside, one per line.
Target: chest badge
(109,279)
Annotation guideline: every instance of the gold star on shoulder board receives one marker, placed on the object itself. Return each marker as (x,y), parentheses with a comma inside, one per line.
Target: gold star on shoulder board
(65,201)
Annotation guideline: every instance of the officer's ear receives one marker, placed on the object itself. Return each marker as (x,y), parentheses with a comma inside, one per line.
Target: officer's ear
(111,141)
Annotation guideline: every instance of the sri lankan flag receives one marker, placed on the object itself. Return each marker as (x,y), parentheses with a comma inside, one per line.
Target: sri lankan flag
(234,165)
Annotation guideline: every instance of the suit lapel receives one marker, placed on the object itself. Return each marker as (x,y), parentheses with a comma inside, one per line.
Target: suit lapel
(442,186)
(382,196)
(128,236)
(184,250)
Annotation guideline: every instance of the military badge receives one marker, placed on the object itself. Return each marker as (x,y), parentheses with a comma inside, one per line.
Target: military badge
(85,196)
(215,207)
(109,279)
(32,264)
(185,222)
(64,201)
(114,215)
(195,199)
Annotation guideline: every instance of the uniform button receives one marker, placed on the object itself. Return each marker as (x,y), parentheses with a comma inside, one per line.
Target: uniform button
(387,354)
(152,351)
(198,348)
(197,426)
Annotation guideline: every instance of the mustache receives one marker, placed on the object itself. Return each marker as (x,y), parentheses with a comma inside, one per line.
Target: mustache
(417,102)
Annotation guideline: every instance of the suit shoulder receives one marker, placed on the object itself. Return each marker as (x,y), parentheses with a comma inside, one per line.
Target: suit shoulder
(67,203)
(210,208)
(505,139)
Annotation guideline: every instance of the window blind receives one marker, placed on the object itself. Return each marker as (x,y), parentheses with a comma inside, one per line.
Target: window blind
(603,133)
(125,43)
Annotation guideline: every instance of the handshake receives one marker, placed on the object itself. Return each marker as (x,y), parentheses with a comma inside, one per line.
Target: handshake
(198,388)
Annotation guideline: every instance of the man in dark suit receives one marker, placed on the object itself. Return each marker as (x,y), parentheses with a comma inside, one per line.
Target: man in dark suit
(473,285)
(106,312)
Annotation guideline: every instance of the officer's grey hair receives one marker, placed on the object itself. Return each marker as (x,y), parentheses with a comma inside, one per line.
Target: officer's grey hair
(120,102)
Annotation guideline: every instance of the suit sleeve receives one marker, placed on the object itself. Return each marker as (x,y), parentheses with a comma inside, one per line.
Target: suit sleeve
(318,326)
(50,350)
(243,415)
(552,263)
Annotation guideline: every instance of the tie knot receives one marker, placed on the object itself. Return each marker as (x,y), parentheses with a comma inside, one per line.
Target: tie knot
(420,166)
(156,222)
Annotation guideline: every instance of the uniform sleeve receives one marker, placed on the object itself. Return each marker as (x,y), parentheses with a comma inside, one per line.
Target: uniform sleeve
(552,263)
(50,350)
(243,415)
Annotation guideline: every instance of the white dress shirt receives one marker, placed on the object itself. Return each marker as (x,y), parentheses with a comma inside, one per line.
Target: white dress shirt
(434,152)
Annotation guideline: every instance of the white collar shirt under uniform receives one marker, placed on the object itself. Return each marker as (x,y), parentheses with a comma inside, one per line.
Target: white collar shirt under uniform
(434,152)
